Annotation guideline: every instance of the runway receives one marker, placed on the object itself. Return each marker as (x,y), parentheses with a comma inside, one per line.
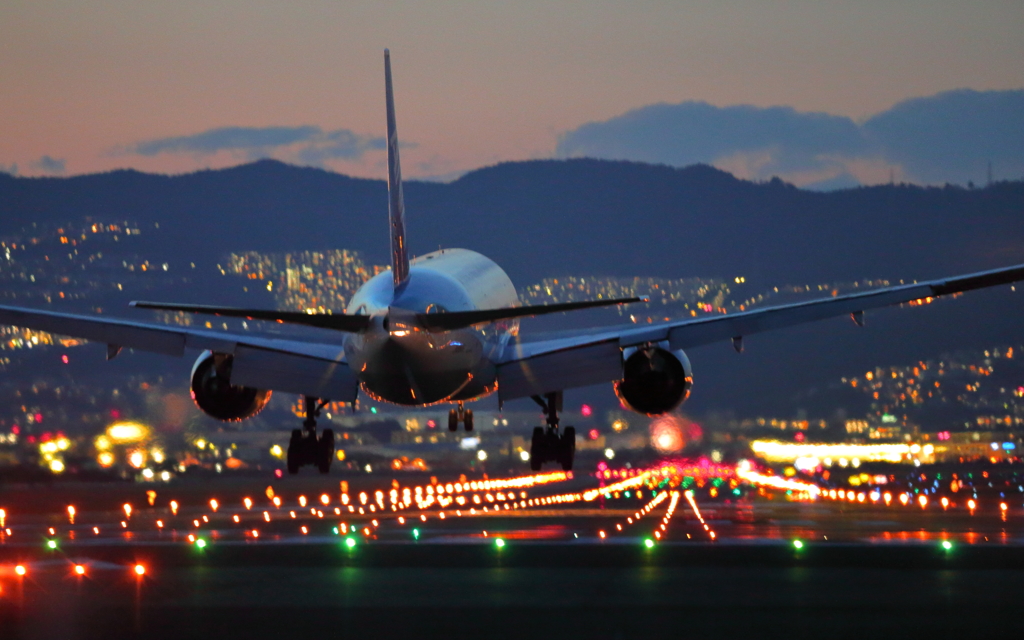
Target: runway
(548,558)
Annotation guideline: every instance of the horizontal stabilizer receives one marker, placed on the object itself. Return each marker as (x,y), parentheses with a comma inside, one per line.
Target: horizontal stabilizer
(460,319)
(336,321)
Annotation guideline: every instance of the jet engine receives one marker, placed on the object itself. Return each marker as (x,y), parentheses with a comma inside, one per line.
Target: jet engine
(655,380)
(214,394)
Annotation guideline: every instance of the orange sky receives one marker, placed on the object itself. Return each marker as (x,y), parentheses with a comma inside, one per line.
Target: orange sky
(476,82)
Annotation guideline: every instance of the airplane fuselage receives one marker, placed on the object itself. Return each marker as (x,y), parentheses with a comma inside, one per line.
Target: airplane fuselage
(399,362)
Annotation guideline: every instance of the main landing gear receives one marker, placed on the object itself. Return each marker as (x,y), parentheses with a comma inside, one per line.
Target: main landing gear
(548,445)
(304,447)
(463,415)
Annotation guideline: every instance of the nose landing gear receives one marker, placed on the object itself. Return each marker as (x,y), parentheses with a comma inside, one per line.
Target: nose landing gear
(548,445)
(463,415)
(304,447)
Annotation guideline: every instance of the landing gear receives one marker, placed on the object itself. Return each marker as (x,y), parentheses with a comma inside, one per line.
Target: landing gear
(547,444)
(463,415)
(304,447)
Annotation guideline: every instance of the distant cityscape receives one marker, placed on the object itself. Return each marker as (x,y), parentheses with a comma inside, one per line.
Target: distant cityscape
(974,398)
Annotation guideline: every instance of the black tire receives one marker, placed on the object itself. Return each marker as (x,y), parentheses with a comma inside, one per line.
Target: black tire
(537,449)
(467,420)
(295,452)
(453,420)
(325,451)
(568,448)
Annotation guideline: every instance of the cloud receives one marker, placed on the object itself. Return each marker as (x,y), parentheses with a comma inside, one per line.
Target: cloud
(11,169)
(947,137)
(49,165)
(952,136)
(307,144)
(782,139)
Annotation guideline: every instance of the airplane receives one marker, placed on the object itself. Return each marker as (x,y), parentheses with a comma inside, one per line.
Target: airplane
(443,328)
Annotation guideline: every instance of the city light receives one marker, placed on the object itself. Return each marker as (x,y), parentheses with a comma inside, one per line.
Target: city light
(126,432)
(140,570)
(80,569)
(774,451)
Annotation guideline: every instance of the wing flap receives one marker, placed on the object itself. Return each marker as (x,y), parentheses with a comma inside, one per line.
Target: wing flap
(558,370)
(294,373)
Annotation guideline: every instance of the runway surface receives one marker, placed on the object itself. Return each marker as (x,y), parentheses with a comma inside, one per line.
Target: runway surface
(530,556)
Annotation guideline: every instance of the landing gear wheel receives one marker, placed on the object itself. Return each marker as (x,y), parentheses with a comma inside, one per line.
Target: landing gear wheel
(325,451)
(567,448)
(467,419)
(453,420)
(537,449)
(295,451)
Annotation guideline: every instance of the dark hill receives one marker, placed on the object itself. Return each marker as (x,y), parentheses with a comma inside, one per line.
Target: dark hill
(545,218)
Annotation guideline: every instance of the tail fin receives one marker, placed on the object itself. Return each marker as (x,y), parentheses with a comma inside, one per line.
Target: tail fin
(396,202)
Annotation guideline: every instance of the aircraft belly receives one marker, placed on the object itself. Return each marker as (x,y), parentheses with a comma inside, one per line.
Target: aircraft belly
(420,368)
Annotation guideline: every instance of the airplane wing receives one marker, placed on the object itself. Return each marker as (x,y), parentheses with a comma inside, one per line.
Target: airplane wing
(292,366)
(529,368)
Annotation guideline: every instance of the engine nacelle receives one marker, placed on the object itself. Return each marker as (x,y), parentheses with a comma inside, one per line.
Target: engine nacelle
(654,379)
(214,394)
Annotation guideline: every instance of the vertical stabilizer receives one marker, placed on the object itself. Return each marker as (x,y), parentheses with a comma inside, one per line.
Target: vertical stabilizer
(396,201)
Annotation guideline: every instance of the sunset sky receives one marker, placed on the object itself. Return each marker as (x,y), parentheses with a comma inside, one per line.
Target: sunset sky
(105,84)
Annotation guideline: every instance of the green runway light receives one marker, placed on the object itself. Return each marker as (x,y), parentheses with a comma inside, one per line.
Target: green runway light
(200,543)
(649,543)
(798,544)
(350,543)
(498,542)
(947,545)
(416,533)
(51,544)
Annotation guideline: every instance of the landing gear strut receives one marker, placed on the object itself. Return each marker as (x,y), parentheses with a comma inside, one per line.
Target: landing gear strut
(304,447)
(463,415)
(547,444)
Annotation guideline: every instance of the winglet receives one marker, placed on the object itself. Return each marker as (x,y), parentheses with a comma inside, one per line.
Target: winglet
(396,201)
